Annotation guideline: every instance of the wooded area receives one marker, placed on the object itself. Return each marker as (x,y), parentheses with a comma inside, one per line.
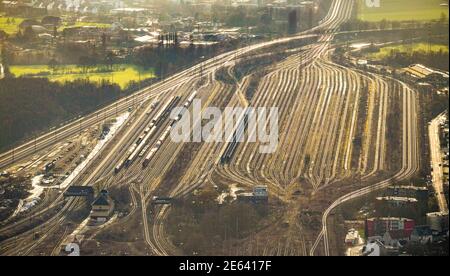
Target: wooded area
(30,105)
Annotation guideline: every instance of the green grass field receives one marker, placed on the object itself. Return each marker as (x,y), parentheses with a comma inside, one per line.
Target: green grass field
(83,24)
(13,25)
(403,10)
(121,75)
(408,48)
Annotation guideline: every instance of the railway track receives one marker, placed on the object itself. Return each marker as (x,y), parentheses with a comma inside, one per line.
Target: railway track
(318,104)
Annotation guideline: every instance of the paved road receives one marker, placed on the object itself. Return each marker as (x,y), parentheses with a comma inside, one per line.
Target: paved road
(436,161)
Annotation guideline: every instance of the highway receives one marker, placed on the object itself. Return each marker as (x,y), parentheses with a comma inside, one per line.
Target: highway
(436,161)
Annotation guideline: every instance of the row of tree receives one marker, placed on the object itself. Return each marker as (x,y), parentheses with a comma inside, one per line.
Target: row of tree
(30,105)
(436,26)
(166,60)
(436,59)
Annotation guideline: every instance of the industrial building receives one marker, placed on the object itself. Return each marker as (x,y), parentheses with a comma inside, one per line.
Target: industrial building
(419,193)
(421,73)
(102,208)
(79,191)
(379,226)
(396,201)
(260,194)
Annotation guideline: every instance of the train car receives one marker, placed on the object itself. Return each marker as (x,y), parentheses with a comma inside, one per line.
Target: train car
(140,148)
(163,113)
(171,107)
(131,149)
(144,150)
(130,152)
(172,104)
(140,151)
(176,117)
(119,167)
(237,135)
(156,119)
(190,99)
(154,104)
(165,134)
(137,150)
(135,153)
(139,140)
(157,146)
(179,115)
(160,200)
(150,156)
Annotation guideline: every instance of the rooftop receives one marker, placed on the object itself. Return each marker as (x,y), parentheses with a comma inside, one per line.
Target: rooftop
(437,214)
(421,71)
(397,199)
(102,199)
(79,191)
(410,188)
(391,219)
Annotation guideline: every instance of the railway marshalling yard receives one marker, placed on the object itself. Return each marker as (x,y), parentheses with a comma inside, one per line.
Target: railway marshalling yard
(343,133)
